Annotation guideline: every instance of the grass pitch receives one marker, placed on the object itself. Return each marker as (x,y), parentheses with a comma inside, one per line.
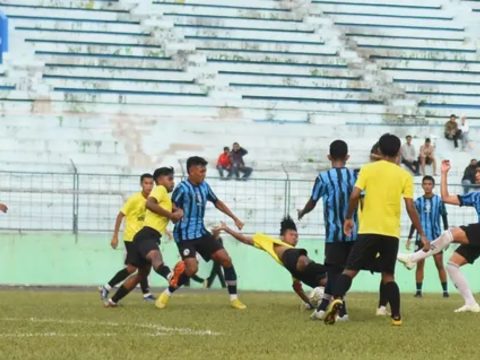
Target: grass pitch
(199,325)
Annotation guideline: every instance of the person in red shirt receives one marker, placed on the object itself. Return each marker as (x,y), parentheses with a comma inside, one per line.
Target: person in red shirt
(224,163)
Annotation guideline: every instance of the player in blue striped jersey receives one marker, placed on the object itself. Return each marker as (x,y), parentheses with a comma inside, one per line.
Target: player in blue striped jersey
(191,235)
(430,208)
(334,187)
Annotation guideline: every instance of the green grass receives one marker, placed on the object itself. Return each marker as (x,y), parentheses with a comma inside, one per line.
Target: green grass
(201,325)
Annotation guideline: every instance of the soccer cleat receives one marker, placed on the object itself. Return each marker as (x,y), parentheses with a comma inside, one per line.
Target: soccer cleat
(446,294)
(162,301)
(405,260)
(343,318)
(177,272)
(396,322)
(103,293)
(382,311)
(318,315)
(331,313)
(237,304)
(418,295)
(468,308)
(149,298)
(110,304)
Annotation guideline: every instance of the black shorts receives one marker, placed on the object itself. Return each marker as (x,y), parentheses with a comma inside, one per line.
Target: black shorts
(336,254)
(290,259)
(314,273)
(374,252)
(473,234)
(206,246)
(129,247)
(470,253)
(146,240)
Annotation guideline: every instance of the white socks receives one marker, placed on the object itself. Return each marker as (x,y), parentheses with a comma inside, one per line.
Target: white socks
(460,283)
(436,246)
(233,297)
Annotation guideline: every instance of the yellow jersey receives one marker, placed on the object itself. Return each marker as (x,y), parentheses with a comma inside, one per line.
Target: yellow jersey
(384,184)
(134,211)
(267,244)
(154,220)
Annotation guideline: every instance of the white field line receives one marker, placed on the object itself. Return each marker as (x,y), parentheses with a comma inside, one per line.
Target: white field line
(157,330)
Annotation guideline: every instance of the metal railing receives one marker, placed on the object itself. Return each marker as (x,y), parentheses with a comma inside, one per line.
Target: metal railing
(78,202)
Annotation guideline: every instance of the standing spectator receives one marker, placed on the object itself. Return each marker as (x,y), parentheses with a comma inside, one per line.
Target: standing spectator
(427,156)
(224,163)
(408,155)
(469,176)
(238,165)
(452,132)
(465,128)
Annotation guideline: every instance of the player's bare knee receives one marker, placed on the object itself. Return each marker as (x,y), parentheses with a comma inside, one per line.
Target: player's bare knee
(191,268)
(131,269)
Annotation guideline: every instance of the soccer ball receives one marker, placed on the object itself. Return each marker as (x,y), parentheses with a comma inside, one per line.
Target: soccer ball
(316,295)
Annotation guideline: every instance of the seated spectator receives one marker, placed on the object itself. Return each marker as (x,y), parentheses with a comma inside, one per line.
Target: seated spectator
(465,129)
(408,156)
(469,176)
(238,165)
(427,156)
(452,132)
(224,164)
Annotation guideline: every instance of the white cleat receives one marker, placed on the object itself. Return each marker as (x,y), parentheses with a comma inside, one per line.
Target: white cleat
(382,311)
(343,318)
(468,308)
(318,315)
(405,260)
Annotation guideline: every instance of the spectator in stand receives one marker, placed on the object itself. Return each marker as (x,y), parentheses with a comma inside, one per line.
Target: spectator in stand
(468,178)
(427,156)
(408,156)
(465,128)
(452,131)
(238,165)
(224,164)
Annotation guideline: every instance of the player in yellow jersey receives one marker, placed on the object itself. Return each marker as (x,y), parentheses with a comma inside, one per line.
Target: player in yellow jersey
(146,252)
(133,211)
(384,183)
(283,251)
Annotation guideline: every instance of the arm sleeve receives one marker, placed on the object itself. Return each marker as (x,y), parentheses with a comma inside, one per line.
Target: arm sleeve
(443,210)
(127,206)
(177,197)
(362,179)
(211,195)
(469,199)
(408,187)
(319,189)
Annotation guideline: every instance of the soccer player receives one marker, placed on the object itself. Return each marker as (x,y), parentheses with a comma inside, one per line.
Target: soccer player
(467,236)
(145,253)
(191,236)
(335,187)
(133,211)
(431,208)
(283,251)
(384,183)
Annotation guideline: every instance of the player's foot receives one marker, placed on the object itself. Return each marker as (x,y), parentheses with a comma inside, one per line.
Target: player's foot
(162,301)
(396,322)
(343,318)
(446,294)
(405,260)
(331,313)
(149,298)
(177,271)
(110,304)
(382,311)
(468,308)
(103,293)
(418,294)
(237,304)
(318,315)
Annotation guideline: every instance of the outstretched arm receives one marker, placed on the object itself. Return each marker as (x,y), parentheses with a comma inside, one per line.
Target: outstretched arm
(446,197)
(297,287)
(220,205)
(352,206)
(309,206)
(239,236)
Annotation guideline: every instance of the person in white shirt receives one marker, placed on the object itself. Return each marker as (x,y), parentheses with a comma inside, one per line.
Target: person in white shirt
(408,156)
(465,127)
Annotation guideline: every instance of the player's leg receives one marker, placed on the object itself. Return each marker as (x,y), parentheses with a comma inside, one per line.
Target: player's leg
(382,301)
(442,274)
(419,274)
(118,278)
(145,287)
(455,235)
(129,285)
(463,255)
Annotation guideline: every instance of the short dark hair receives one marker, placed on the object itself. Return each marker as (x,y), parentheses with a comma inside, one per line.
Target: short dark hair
(375,149)
(287,224)
(236,143)
(338,150)
(163,171)
(428,140)
(145,176)
(453,115)
(428,178)
(195,161)
(226,148)
(408,136)
(389,144)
